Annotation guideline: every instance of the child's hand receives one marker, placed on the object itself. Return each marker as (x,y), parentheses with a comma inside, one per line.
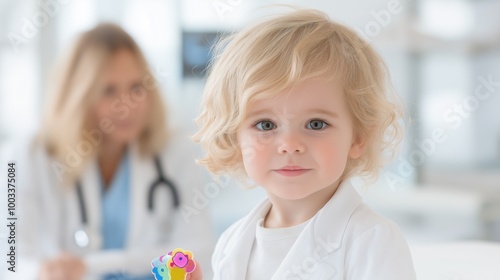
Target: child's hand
(197,273)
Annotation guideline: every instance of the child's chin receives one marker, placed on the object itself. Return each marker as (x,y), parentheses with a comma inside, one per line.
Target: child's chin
(291,195)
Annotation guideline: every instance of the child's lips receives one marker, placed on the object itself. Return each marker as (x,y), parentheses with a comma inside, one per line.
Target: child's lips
(292,171)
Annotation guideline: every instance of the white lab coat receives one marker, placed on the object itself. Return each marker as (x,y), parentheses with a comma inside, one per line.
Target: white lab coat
(49,216)
(344,240)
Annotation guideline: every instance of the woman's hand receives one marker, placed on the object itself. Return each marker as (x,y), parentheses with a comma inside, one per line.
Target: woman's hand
(197,274)
(63,267)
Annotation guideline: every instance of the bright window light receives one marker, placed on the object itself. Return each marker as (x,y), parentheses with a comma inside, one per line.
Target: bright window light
(448,19)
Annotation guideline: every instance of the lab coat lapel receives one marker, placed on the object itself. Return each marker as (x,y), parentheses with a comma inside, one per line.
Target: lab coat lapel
(237,252)
(142,172)
(91,189)
(322,236)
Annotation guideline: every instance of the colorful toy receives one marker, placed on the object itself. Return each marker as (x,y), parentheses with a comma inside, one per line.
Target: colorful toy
(173,266)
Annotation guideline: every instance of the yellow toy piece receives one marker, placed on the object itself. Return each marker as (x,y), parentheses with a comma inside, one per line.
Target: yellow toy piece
(177,273)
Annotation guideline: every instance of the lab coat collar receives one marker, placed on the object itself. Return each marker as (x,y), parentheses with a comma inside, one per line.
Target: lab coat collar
(321,237)
(237,251)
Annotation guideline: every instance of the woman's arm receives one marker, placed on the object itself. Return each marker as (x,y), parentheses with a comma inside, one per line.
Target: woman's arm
(37,210)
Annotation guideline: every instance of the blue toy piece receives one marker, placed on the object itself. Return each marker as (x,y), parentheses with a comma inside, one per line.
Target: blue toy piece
(160,270)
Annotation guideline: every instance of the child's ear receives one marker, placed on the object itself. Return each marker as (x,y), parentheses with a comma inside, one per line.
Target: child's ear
(358,147)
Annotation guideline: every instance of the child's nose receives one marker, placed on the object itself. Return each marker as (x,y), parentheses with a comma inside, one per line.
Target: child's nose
(291,143)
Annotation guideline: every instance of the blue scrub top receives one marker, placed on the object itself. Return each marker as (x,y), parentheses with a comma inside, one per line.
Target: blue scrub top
(115,205)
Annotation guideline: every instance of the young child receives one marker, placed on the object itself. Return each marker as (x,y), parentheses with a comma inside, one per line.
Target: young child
(298,104)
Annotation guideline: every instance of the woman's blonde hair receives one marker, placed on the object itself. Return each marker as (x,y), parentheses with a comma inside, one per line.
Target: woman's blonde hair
(77,85)
(279,53)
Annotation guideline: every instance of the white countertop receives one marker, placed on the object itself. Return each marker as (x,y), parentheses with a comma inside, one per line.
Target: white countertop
(471,260)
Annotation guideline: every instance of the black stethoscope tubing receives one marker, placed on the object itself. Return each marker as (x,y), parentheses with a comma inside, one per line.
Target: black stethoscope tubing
(162,179)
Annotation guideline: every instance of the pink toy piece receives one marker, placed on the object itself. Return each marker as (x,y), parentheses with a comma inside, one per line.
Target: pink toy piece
(191,265)
(180,259)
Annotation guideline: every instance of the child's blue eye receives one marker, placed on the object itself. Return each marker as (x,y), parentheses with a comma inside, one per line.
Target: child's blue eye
(265,125)
(316,124)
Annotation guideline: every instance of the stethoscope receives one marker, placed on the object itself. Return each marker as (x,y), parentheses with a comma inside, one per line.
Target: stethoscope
(82,237)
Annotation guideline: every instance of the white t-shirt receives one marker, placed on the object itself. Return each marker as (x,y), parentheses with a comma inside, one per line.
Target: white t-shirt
(270,247)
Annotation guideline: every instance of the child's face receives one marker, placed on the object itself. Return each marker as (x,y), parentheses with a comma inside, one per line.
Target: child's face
(297,144)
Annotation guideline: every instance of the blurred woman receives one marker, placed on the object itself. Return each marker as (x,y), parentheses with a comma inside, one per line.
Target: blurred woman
(106,184)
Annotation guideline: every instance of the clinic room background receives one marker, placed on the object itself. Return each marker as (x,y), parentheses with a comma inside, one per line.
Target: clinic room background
(443,190)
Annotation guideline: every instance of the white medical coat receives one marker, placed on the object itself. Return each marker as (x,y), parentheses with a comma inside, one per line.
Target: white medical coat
(344,240)
(49,215)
